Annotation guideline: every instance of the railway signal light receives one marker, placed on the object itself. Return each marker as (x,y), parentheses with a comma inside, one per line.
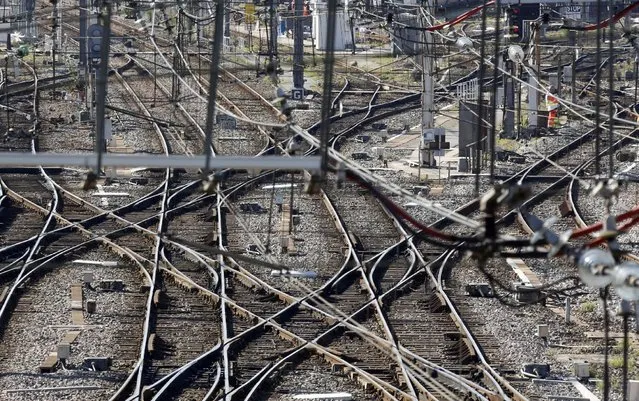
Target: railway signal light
(513,10)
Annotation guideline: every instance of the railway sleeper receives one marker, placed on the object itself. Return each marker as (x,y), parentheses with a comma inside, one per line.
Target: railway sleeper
(244,281)
(463,351)
(250,319)
(179,281)
(399,376)
(287,336)
(437,303)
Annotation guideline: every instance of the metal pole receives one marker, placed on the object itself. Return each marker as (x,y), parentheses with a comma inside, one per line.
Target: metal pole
(55,36)
(273,28)
(636,78)
(329,60)
(476,168)
(83,34)
(215,70)
(492,137)
(428,95)
(199,55)
(352,36)
(177,61)
(419,160)
(598,117)
(559,73)
(611,85)
(509,101)
(533,95)
(6,88)
(626,310)
(101,85)
(298,46)
(518,103)
(573,79)
(155,77)
(313,49)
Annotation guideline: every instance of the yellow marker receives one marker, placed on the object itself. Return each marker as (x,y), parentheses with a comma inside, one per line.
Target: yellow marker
(249,10)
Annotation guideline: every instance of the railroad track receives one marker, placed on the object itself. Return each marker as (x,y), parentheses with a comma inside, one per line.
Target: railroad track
(297,333)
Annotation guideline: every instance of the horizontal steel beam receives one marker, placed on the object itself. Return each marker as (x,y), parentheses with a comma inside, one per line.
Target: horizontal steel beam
(89,160)
(563,3)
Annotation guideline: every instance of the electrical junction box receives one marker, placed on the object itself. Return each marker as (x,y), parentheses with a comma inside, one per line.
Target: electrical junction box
(581,370)
(542,331)
(226,122)
(85,116)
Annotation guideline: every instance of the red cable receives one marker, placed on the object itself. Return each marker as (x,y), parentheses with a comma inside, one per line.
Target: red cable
(624,227)
(607,22)
(459,18)
(632,213)
(397,210)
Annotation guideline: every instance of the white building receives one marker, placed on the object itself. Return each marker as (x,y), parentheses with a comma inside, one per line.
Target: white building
(320,23)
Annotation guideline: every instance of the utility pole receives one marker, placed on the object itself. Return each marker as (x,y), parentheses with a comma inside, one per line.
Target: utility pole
(298,46)
(101,86)
(572,35)
(177,60)
(83,35)
(55,35)
(29,7)
(351,19)
(533,81)
(273,48)
(427,77)
(517,73)
(428,96)
(6,89)
(213,77)
(560,70)
(508,82)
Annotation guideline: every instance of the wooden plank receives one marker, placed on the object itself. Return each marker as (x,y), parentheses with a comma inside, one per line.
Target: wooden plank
(523,271)
(77,317)
(70,336)
(76,296)
(49,363)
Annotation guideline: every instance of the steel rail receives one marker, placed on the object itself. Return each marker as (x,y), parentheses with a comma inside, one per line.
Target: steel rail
(150,307)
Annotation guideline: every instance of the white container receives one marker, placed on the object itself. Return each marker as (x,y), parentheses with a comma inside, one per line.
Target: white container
(542,330)
(64,351)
